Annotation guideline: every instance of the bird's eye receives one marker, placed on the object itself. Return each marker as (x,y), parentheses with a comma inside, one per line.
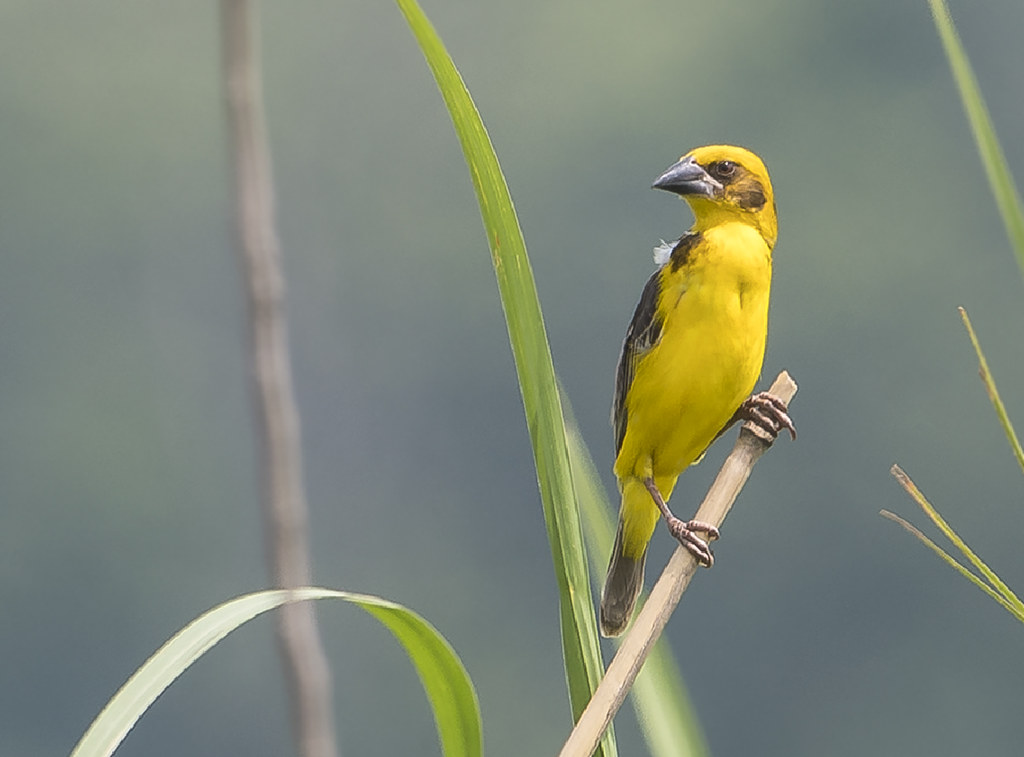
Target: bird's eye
(723,169)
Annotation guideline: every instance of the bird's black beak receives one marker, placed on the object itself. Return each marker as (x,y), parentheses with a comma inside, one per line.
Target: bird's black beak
(687,177)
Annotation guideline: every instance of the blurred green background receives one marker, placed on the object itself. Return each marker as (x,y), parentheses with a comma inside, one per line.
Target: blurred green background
(127,471)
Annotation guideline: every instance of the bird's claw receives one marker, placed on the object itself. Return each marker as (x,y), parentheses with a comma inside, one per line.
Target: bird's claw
(685,532)
(766,415)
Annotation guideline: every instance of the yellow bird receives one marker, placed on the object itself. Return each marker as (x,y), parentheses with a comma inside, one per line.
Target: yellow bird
(691,357)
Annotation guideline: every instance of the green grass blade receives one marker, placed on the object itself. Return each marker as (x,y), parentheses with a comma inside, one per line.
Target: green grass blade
(993,393)
(997,583)
(534,366)
(448,686)
(952,562)
(445,680)
(999,177)
(659,696)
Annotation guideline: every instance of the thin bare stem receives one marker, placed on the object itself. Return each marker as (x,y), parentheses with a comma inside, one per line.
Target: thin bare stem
(665,595)
(285,509)
(993,392)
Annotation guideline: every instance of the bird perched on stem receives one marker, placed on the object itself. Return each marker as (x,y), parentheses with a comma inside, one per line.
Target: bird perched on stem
(691,357)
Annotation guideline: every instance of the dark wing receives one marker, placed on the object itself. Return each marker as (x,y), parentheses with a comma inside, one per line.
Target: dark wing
(643,333)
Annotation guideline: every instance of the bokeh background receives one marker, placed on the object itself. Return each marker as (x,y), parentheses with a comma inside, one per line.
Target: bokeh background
(127,470)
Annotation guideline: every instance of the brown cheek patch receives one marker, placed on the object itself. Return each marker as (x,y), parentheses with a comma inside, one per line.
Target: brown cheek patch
(748,193)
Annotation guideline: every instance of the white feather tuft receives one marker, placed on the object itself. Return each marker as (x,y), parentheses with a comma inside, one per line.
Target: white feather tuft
(663,252)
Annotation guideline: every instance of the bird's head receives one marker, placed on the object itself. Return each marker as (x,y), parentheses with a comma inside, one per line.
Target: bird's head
(724,184)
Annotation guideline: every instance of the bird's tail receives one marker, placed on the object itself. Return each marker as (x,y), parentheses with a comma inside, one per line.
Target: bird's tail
(621,587)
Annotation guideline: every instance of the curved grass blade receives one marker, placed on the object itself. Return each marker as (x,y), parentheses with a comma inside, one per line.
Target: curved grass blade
(999,177)
(445,680)
(993,393)
(659,696)
(534,366)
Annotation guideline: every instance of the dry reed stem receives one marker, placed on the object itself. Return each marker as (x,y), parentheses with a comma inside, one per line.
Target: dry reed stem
(285,508)
(652,617)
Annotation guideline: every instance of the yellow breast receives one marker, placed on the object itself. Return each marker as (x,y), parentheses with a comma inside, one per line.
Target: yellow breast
(714,313)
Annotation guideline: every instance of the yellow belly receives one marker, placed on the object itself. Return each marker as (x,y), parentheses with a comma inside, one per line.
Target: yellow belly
(707,361)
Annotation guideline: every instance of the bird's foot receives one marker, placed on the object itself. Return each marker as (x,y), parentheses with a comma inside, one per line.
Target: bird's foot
(766,415)
(685,532)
